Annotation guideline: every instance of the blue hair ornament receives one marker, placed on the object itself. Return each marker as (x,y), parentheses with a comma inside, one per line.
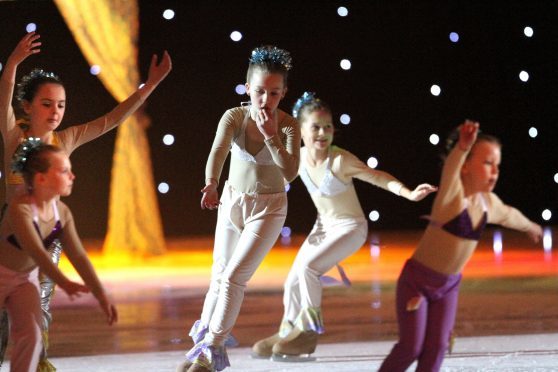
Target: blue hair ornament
(306,98)
(27,147)
(271,54)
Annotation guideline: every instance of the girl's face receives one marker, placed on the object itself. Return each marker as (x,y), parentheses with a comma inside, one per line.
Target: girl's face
(59,178)
(46,110)
(317,130)
(266,90)
(480,171)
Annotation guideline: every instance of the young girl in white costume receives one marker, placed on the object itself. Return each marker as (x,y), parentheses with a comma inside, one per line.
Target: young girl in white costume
(33,221)
(43,99)
(264,143)
(428,286)
(339,231)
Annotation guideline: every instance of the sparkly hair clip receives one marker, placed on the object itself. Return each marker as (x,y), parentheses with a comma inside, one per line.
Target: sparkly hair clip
(306,98)
(27,80)
(271,54)
(27,147)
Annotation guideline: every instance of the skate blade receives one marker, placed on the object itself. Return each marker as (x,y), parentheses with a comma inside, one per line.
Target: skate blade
(302,358)
(259,356)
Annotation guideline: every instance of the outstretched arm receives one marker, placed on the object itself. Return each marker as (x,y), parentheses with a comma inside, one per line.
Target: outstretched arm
(354,167)
(510,217)
(77,135)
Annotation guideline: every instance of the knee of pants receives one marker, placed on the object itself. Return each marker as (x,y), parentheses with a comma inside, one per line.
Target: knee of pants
(306,271)
(28,333)
(411,350)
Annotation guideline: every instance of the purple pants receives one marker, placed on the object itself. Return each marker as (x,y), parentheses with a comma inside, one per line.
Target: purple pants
(425,330)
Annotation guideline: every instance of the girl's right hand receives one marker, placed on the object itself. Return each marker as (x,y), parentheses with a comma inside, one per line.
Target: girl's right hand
(74,289)
(27,46)
(108,308)
(210,198)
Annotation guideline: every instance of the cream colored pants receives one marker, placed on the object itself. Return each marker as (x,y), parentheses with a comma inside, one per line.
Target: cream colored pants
(329,242)
(247,228)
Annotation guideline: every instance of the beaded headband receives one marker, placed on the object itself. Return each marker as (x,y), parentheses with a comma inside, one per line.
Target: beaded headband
(27,147)
(271,54)
(27,79)
(306,98)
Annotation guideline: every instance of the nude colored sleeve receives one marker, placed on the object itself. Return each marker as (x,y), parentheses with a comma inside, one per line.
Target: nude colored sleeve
(7,116)
(505,215)
(354,167)
(226,129)
(76,253)
(77,135)
(286,155)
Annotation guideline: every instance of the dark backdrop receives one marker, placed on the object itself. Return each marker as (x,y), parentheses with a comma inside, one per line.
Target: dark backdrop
(398,49)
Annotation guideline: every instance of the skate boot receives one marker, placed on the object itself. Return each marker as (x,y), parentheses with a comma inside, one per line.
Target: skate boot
(263,348)
(297,347)
(184,366)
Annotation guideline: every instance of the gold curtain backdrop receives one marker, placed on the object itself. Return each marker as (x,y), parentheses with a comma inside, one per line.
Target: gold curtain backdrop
(106,31)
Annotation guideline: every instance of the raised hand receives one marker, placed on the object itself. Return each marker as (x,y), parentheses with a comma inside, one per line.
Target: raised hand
(159,71)
(468,134)
(27,46)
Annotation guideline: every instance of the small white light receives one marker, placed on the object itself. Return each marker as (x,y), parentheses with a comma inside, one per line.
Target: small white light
(497,245)
(435,90)
(524,76)
(556,177)
(374,216)
(141,85)
(287,187)
(454,37)
(163,187)
(0,174)
(345,64)
(168,139)
(0,67)
(168,14)
(240,89)
(372,162)
(533,132)
(31,27)
(95,70)
(375,247)
(236,36)
(342,11)
(546,214)
(528,31)
(286,231)
(547,239)
(434,139)
(345,119)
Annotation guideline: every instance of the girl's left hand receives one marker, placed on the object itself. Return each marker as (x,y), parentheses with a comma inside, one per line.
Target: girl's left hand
(422,191)
(265,120)
(157,72)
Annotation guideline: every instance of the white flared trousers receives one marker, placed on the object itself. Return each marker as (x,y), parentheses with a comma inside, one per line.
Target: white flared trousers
(329,242)
(247,228)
